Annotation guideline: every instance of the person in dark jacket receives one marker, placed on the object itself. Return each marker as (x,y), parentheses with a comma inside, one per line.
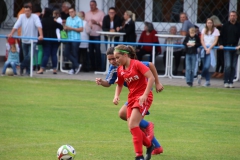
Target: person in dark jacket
(49,47)
(229,37)
(111,22)
(128,27)
(191,42)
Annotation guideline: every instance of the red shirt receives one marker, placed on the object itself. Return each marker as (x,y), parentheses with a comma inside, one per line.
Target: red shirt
(134,77)
(151,38)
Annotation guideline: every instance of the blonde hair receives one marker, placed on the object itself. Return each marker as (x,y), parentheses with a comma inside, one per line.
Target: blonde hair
(122,49)
(131,14)
(192,29)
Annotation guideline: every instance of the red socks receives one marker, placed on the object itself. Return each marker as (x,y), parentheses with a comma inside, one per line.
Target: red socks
(139,138)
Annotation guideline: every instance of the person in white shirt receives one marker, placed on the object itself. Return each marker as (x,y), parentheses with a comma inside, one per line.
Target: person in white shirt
(31,26)
(209,39)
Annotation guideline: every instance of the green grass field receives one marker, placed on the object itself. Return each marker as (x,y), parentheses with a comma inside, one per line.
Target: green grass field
(37,116)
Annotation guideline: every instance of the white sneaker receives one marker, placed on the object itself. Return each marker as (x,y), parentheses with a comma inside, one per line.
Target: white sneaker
(226,85)
(78,69)
(199,80)
(207,84)
(231,85)
(71,71)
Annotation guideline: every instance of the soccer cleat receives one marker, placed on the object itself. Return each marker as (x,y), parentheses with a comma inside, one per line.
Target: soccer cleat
(158,150)
(149,131)
(149,152)
(139,158)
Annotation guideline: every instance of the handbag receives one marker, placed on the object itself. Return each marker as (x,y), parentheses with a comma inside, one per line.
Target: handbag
(63,34)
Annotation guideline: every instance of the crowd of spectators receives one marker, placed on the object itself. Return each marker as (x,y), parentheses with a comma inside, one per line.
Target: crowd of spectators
(87,56)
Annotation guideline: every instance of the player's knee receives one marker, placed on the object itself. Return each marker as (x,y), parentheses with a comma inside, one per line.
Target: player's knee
(122,115)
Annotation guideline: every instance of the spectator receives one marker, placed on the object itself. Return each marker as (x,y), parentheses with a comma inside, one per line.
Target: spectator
(94,17)
(74,26)
(220,54)
(31,25)
(83,48)
(230,34)
(128,27)
(13,56)
(191,42)
(148,36)
(177,51)
(186,25)
(49,47)
(65,11)
(111,22)
(209,39)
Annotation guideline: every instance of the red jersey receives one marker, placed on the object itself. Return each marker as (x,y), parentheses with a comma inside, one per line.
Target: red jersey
(134,77)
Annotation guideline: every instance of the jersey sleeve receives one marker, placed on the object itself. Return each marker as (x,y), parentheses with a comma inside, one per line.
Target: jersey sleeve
(141,67)
(112,75)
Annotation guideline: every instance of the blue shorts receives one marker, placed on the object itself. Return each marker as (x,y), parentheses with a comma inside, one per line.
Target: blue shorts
(126,103)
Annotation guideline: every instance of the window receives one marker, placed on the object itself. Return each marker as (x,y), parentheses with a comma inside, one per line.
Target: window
(136,6)
(167,11)
(207,8)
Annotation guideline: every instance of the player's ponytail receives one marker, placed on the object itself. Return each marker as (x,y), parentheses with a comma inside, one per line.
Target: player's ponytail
(122,49)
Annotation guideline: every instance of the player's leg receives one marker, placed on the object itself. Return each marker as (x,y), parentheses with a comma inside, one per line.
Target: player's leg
(147,126)
(139,138)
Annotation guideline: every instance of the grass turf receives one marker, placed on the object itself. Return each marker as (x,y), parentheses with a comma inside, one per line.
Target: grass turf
(37,116)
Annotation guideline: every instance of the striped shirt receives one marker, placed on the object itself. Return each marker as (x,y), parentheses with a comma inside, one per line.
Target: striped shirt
(74,22)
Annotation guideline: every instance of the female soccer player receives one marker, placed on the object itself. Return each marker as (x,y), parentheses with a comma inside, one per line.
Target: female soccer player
(111,79)
(139,80)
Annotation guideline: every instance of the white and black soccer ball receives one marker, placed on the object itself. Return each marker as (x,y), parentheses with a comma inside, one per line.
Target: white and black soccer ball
(66,152)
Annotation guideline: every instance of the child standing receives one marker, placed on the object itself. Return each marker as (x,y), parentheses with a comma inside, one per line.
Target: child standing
(191,42)
(139,80)
(13,56)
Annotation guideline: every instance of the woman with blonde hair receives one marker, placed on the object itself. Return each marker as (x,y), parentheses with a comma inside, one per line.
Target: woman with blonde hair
(139,80)
(128,27)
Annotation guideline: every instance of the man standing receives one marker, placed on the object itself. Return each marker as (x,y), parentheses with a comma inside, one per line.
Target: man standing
(74,26)
(31,26)
(94,18)
(65,11)
(186,24)
(229,36)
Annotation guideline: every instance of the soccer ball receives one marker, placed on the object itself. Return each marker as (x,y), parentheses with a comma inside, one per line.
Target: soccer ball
(66,152)
(9,72)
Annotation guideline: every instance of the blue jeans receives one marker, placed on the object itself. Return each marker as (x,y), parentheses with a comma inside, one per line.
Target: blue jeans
(190,60)
(7,64)
(230,62)
(95,57)
(206,61)
(71,52)
(50,49)
(26,56)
